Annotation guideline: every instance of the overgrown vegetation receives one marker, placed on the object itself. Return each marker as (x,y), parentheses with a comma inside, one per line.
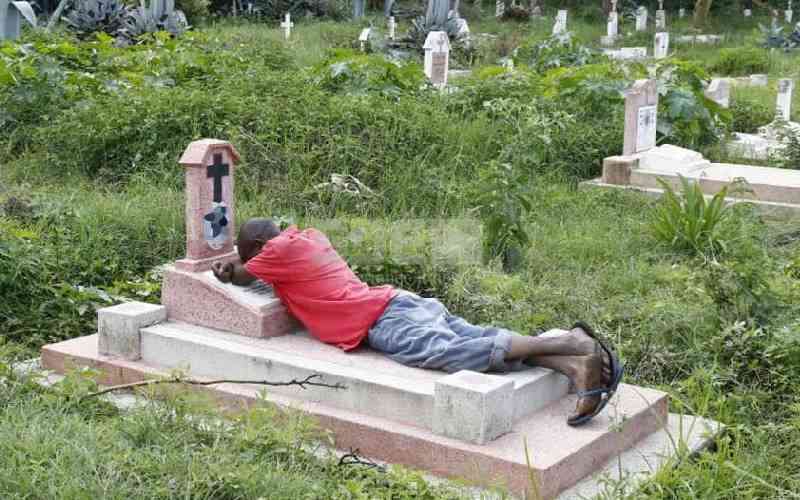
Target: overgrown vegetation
(414,186)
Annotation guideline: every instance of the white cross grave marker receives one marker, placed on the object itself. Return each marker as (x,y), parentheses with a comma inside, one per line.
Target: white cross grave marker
(661,45)
(437,57)
(561,22)
(287,26)
(641,19)
(11,14)
(784,101)
(392,28)
(363,38)
(641,105)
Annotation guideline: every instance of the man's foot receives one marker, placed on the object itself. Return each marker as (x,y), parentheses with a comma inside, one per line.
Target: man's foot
(588,373)
(585,345)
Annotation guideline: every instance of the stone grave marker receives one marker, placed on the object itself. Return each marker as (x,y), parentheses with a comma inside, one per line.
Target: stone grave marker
(287,26)
(437,57)
(627,53)
(561,22)
(392,24)
(719,91)
(789,14)
(661,48)
(499,8)
(11,15)
(363,38)
(641,19)
(661,16)
(681,13)
(612,27)
(641,110)
(209,167)
(784,101)
(759,80)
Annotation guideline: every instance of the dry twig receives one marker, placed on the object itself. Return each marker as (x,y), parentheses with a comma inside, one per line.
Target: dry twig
(308,381)
(353,458)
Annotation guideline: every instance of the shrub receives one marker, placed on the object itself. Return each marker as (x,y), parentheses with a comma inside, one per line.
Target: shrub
(741,61)
(688,222)
(193,9)
(350,72)
(555,52)
(748,114)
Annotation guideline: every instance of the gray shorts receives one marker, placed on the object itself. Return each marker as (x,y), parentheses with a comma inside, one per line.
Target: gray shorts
(422,333)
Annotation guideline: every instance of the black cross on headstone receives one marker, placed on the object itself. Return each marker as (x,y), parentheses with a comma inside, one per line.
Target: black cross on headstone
(217,171)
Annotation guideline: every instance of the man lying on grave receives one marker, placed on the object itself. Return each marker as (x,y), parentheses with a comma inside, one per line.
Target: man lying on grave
(319,289)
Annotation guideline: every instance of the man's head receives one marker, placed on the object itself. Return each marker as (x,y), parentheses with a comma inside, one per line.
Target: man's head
(253,235)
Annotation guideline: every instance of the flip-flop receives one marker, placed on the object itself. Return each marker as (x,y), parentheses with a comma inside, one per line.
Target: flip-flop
(617,370)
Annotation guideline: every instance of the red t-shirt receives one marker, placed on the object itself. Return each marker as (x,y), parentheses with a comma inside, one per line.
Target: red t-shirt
(318,287)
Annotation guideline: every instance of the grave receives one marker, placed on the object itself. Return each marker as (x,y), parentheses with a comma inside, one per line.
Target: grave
(287,26)
(363,39)
(499,8)
(719,91)
(661,45)
(642,164)
(661,16)
(490,429)
(612,27)
(627,53)
(437,57)
(560,25)
(768,141)
(788,13)
(681,13)
(641,18)
(11,15)
(702,39)
(392,25)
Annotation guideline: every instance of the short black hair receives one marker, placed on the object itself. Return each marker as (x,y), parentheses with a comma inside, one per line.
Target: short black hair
(252,236)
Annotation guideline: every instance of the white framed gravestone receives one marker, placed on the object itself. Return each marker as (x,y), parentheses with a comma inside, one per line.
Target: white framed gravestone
(641,111)
(392,27)
(11,15)
(437,57)
(661,48)
(287,26)
(784,100)
(561,22)
(363,38)
(641,18)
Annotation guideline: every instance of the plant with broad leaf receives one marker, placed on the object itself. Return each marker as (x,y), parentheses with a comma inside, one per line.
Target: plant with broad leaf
(93,16)
(502,202)
(688,222)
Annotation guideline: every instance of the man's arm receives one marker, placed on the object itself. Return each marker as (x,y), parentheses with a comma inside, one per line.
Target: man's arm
(232,272)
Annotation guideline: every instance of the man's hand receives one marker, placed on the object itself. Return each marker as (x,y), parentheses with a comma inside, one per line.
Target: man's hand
(223,271)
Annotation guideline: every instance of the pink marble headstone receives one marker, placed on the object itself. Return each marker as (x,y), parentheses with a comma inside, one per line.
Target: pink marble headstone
(641,106)
(210,204)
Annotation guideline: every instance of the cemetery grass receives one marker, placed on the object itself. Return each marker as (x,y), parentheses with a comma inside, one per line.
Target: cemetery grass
(92,205)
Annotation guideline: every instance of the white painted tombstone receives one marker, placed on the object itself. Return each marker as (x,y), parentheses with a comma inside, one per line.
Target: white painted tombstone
(784,101)
(789,14)
(747,13)
(641,19)
(681,13)
(641,110)
(363,38)
(759,80)
(437,57)
(11,15)
(661,16)
(392,27)
(499,8)
(287,26)
(612,26)
(719,91)
(661,48)
(561,22)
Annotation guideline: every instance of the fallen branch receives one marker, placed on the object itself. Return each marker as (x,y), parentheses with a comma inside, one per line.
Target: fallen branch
(308,381)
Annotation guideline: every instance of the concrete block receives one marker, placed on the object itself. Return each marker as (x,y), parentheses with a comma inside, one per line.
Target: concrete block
(118,327)
(617,169)
(473,407)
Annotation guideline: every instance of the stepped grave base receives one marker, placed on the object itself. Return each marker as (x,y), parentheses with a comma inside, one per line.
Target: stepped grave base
(487,428)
